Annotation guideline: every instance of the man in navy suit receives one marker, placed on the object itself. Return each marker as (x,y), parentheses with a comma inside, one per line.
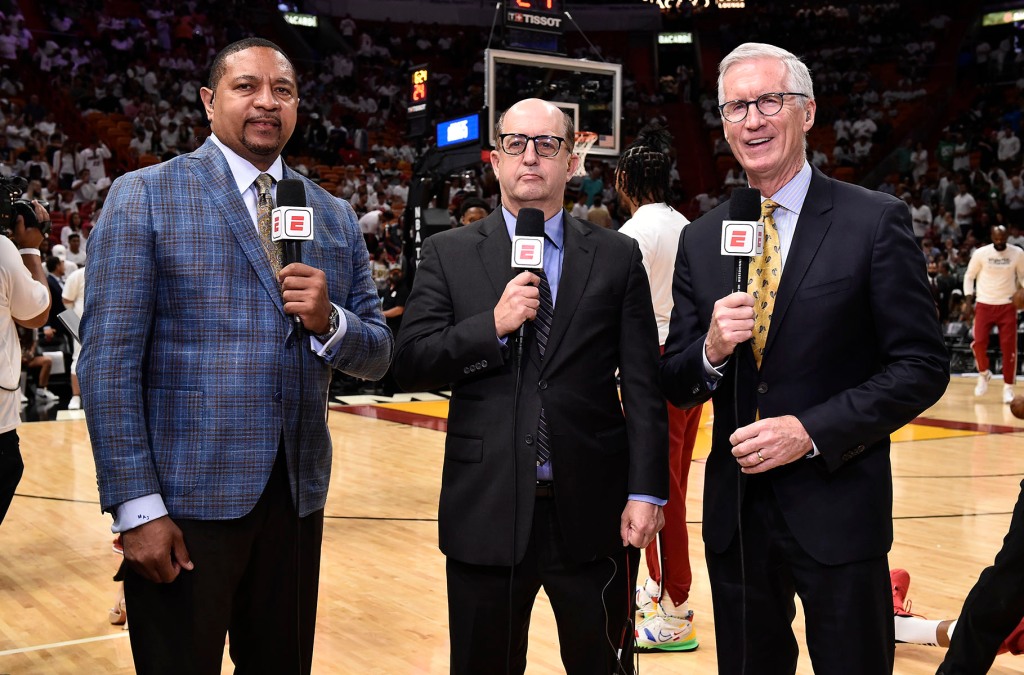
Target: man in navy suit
(848,349)
(206,406)
(511,519)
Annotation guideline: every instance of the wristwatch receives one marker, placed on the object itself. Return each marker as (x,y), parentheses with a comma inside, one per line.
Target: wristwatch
(335,319)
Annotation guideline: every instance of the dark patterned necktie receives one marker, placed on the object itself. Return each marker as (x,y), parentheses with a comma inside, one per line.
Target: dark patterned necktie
(264,207)
(765,274)
(542,328)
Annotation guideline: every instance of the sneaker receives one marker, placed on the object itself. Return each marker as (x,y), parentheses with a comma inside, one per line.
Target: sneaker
(664,633)
(982,386)
(900,585)
(117,545)
(1007,393)
(46,395)
(24,399)
(647,600)
(75,403)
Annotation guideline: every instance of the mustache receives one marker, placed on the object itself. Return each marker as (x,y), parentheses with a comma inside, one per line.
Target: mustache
(265,118)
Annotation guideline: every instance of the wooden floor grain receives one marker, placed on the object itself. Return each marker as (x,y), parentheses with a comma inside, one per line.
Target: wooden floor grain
(382,593)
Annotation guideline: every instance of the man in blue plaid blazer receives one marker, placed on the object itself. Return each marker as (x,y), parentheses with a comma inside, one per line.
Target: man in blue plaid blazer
(206,407)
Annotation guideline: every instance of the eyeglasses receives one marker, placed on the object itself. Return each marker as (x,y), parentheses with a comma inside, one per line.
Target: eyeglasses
(767,104)
(545,146)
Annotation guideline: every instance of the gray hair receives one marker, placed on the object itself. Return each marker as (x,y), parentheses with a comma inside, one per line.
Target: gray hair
(798,77)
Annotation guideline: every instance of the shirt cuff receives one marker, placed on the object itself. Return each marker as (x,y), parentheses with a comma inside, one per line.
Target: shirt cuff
(139,511)
(648,498)
(711,374)
(326,351)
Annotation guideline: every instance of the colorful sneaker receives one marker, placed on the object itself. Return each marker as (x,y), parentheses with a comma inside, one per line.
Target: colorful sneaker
(117,546)
(664,633)
(900,585)
(647,600)
(982,386)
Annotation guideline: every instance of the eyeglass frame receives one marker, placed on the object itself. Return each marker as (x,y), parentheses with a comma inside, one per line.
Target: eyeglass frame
(746,104)
(561,142)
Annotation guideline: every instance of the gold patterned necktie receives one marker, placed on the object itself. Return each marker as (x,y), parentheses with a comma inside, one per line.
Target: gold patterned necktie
(264,206)
(763,283)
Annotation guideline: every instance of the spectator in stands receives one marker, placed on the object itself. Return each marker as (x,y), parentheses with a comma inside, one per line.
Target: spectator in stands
(593,183)
(1009,148)
(998,272)
(85,190)
(76,253)
(472,209)
(965,209)
(921,215)
(598,214)
(919,162)
(93,157)
(1013,198)
(32,359)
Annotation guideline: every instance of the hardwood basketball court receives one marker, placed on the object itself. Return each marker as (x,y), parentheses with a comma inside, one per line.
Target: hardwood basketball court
(956,475)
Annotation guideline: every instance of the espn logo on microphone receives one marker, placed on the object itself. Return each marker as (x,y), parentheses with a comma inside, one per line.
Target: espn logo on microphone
(293,223)
(741,237)
(528,252)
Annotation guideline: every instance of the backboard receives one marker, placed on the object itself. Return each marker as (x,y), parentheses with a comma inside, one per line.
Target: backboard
(590,91)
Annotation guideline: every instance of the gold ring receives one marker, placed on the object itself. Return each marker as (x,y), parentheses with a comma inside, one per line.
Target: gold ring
(759,456)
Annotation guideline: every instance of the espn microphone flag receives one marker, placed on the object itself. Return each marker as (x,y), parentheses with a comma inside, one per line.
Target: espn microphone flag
(743,233)
(528,242)
(292,223)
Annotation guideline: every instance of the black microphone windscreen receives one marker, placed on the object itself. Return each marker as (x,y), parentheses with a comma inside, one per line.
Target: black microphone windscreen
(745,204)
(530,223)
(291,192)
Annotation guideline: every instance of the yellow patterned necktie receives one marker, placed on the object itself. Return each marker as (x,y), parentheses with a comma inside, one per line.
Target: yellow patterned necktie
(264,206)
(763,284)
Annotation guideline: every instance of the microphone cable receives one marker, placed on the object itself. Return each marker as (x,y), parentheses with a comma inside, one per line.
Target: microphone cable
(515,497)
(300,338)
(739,514)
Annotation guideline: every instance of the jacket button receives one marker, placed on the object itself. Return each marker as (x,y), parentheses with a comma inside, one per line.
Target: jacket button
(277,397)
(762,388)
(543,384)
(529,439)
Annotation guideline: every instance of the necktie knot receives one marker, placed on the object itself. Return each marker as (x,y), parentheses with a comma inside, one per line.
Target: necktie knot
(264,183)
(767,209)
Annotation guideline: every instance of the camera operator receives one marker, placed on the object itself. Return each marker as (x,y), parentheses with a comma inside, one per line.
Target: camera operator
(25,301)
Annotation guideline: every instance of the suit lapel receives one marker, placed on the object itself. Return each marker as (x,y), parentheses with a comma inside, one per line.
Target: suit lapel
(212,170)
(577,260)
(811,228)
(495,250)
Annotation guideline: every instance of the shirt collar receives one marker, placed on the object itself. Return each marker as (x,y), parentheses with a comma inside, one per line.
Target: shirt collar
(244,172)
(791,196)
(554,228)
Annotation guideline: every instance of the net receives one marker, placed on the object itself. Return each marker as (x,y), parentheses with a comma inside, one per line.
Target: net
(584,142)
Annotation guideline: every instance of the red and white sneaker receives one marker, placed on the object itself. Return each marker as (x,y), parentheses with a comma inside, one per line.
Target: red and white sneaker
(117,546)
(900,585)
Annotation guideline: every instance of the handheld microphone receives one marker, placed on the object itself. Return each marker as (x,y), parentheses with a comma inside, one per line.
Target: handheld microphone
(527,254)
(743,234)
(292,219)
(292,222)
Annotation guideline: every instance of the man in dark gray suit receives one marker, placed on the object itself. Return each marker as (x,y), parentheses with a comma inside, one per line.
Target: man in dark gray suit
(547,481)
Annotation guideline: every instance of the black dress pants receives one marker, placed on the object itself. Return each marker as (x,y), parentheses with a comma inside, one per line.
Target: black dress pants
(592,602)
(11,469)
(255,579)
(994,606)
(848,608)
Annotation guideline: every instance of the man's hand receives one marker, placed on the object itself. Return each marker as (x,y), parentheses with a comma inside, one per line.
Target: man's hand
(156,550)
(770,443)
(640,522)
(518,304)
(304,292)
(732,323)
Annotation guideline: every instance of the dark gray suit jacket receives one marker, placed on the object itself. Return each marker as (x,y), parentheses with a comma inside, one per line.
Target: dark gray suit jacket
(603,321)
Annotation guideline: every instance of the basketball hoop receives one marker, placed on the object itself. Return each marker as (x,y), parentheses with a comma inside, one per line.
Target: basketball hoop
(584,142)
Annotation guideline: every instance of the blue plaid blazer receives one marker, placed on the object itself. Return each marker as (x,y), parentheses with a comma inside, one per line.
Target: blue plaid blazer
(190,368)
